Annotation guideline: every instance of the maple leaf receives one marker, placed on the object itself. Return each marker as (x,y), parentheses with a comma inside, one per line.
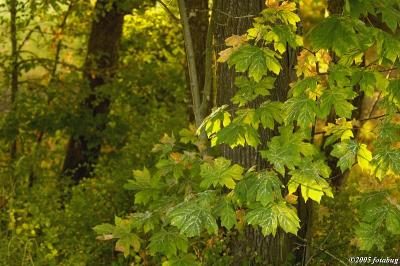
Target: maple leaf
(266,187)
(300,109)
(227,214)
(348,151)
(167,243)
(336,33)
(249,90)
(311,177)
(338,99)
(220,172)
(285,150)
(212,123)
(234,42)
(341,130)
(251,58)
(191,218)
(268,112)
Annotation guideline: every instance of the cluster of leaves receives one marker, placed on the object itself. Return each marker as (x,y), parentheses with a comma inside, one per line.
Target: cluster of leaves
(190,194)
(187,196)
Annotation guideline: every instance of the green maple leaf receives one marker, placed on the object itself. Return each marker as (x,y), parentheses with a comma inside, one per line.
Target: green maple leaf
(385,159)
(143,220)
(309,83)
(369,236)
(227,214)
(266,188)
(237,134)
(282,35)
(346,152)
(249,90)
(271,61)
(191,219)
(126,242)
(338,99)
(301,109)
(311,177)
(251,58)
(393,220)
(220,172)
(264,217)
(334,33)
(391,16)
(167,243)
(268,112)
(388,47)
(242,190)
(126,238)
(145,187)
(103,229)
(287,217)
(285,150)
(232,135)
(367,81)
(393,91)
(359,7)
(272,215)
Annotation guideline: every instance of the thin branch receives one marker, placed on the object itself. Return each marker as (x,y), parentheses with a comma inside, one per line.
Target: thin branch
(208,64)
(168,10)
(27,37)
(235,17)
(191,61)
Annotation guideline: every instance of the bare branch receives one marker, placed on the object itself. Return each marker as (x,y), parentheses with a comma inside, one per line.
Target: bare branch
(168,10)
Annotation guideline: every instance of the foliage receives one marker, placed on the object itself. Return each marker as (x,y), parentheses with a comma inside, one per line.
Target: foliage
(209,196)
(330,142)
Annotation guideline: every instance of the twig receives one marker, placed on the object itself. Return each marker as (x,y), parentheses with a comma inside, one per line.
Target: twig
(168,10)
(208,64)
(235,17)
(191,61)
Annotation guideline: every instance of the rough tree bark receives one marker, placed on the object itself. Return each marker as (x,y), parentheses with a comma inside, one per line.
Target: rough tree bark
(234,17)
(83,150)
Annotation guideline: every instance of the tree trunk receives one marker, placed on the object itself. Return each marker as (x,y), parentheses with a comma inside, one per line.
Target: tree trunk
(232,17)
(100,66)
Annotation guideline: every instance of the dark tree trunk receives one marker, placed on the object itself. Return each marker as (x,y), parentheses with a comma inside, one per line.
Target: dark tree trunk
(233,18)
(100,66)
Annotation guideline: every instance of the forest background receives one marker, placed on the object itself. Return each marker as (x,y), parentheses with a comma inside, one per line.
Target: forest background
(197,132)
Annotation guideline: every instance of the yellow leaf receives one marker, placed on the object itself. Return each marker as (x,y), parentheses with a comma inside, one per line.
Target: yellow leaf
(289,6)
(364,156)
(236,40)
(225,54)
(366,131)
